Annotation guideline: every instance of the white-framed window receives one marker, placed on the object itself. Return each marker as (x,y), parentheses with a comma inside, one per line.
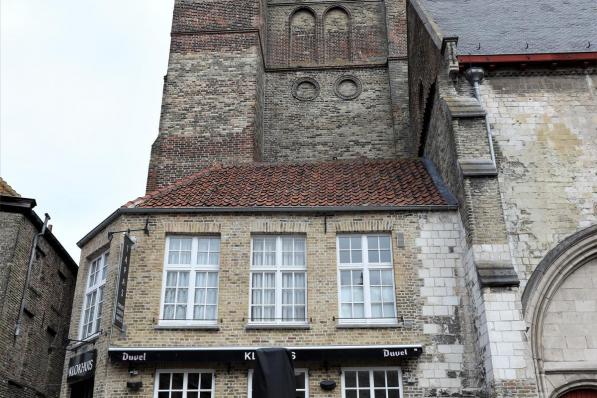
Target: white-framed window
(375,382)
(366,279)
(94,296)
(184,383)
(191,280)
(278,279)
(302,383)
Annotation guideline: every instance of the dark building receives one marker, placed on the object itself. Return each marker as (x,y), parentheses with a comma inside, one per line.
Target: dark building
(37,282)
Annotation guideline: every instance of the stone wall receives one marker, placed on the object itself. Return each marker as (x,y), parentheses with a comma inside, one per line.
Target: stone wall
(328,126)
(31,364)
(544,127)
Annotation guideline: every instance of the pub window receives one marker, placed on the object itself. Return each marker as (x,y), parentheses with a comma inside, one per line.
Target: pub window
(371,382)
(185,383)
(302,383)
(278,280)
(191,280)
(94,296)
(366,279)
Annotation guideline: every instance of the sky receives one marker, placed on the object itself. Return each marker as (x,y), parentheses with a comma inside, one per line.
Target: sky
(80,96)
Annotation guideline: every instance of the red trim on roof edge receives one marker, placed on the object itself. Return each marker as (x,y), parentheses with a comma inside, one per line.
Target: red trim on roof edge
(514,58)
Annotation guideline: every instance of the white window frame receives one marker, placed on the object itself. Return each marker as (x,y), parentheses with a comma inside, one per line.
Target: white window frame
(371,370)
(366,267)
(278,269)
(185,380)
(100,277)
(193,268)
(298,370)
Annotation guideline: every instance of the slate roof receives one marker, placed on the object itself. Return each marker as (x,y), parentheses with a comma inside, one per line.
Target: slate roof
(506,26)
(356,183)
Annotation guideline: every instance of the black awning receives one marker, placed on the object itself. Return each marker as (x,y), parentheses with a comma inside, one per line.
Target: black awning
(274,374)
(247,354)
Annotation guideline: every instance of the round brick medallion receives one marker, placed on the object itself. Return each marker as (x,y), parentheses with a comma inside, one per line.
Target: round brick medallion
(305,89)
(348,87)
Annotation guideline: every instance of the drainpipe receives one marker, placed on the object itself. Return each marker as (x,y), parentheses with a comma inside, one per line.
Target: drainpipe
(475,76)
(28,277)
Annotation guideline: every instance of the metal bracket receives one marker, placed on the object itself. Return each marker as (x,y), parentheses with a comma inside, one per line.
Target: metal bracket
(145,229)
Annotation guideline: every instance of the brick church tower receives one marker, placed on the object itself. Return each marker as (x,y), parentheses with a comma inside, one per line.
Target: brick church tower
(275,81)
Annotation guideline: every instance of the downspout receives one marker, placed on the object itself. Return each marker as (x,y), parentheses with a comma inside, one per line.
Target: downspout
(28,277)
(475,76)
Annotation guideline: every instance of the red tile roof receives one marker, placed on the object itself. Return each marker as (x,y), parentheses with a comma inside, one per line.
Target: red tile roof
(356,183)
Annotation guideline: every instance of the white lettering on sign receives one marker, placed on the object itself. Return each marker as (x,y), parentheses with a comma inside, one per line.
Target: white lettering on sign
(250,355)
(140,357)
(399,353)
(80,368)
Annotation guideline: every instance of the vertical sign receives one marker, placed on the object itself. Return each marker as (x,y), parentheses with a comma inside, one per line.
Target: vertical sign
(122,282)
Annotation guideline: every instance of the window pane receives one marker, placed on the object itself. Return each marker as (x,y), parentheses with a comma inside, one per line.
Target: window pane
(356,256)
(351,394)
(350,379)
(205,395)
(355,242)
(345,278)
(177,379)
(200,279)
(192,394)
(206,381)
(379,378)
(384,242)
(202,258)
(168,311)
(212,279)
(359,311)
(380,393)
(384,256)
(210,312)
(203,245)
(193,383)
(164,382)
(363,378)
(212,296)
(392,378)
(214,258)
(344,257)
(214,245)
(176,394)
(164,395)
(387,278)
(372,242)
(373,256)
(394,394)
(376,311)
(300,381)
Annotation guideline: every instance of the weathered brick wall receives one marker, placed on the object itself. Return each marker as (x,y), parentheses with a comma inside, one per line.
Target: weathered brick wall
(429,285)
(34,359)
(325,34)
(544,127)
(328,126)
(209,105)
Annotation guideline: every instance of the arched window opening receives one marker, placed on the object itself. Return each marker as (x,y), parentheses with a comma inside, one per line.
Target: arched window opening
(336,26)
(302,37)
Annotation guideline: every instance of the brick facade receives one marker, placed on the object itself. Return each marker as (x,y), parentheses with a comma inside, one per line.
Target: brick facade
(31,363)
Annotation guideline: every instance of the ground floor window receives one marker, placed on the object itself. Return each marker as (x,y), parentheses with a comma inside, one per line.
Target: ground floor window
(302,383)
(184,384)
(371,383)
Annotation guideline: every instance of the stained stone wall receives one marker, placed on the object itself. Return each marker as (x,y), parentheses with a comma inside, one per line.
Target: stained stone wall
(332,124)
(544,126)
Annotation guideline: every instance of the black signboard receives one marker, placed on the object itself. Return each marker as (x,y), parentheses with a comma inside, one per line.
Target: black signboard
(81,367)
(122,282)
(242,354)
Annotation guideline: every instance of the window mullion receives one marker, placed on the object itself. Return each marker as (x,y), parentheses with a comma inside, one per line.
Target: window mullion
(278,299)
(191,295)
(371,385)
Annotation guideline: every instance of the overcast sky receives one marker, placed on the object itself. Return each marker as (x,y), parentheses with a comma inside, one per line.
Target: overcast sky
(80,94)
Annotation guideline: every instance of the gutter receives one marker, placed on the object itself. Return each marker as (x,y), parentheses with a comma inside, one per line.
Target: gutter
(522,58)
(225,210)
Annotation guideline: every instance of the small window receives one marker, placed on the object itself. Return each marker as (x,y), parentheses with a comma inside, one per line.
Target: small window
(366,279)
(191,280)
(371,382)
(278,280)
(184,384)
(94,296)
(302,383)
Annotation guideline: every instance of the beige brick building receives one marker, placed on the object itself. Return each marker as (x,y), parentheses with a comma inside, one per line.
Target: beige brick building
(406,226)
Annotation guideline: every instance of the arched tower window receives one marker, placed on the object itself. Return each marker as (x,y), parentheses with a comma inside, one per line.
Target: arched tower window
(303,38)
(336,30)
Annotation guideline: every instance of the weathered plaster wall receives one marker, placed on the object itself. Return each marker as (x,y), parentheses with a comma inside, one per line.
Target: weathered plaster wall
(545,131)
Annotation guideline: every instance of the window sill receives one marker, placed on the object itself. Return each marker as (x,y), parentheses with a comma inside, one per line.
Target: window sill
(214,327)
(368,325)
(276,326)
(92,339)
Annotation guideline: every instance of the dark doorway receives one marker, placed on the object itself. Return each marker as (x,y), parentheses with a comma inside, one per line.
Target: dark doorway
(82,389)
(583,393)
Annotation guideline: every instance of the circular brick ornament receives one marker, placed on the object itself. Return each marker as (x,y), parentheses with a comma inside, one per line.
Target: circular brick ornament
(305,89)
(348,87)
